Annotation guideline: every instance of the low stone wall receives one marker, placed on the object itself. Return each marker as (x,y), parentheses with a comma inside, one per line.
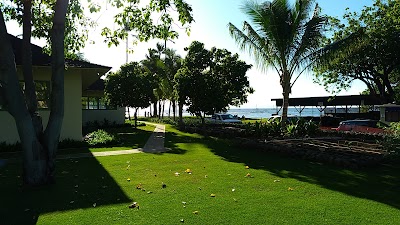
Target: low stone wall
(348,152)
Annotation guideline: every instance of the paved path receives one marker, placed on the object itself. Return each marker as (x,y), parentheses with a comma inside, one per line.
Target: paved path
(155,144)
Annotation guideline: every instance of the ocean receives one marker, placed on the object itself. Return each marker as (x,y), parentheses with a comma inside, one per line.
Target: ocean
(259,113)
(268,112)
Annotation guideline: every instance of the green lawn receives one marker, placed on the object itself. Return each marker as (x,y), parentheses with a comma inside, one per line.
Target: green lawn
(279,190)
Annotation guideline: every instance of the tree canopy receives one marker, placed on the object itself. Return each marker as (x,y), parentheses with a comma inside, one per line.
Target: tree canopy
(131,86)
(212,80)
(364,46)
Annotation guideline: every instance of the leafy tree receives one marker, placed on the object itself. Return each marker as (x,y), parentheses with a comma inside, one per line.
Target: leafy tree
(56,20)
(130,87)
(281,36)
(211,81)
(365,47)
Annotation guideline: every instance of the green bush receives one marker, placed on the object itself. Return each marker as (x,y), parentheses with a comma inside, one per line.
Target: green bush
(4,147)
(68,143)
(391,141)
(100,138)
(296,128)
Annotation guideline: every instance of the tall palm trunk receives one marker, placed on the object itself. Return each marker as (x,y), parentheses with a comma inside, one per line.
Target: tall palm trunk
(180,109)
(169,109)
(155,109)
(174,108)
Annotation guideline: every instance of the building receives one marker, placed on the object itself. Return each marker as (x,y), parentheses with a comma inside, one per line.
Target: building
(84,98)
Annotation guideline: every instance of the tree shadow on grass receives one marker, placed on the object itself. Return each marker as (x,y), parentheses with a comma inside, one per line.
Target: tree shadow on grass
(379,184)
(131,137)
(80,183)
(171,140)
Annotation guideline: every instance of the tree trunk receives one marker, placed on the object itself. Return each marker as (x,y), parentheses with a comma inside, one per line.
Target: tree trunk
(129,114)
(180,109)
(286,92)
(169,109)
(53,129)
(163,108)
(159,109)
(136,109)
(34,158)
(174,108)
(155,109)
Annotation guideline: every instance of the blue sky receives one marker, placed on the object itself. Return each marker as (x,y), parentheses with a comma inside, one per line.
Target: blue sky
(210,27)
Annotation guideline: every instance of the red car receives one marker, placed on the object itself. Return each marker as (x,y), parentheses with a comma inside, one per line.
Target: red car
(369,126)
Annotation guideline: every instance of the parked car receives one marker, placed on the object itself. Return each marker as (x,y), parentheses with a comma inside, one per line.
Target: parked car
(224,118)
(361,125)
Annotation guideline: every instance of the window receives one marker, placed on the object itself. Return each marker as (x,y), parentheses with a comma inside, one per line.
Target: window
(95,103)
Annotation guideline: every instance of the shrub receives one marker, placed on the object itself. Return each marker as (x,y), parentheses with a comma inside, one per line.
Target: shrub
(5,147)
(68,143)
(391,141)
(274,128)
(100,138)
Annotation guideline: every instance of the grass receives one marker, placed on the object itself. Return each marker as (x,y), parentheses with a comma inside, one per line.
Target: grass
(279,189)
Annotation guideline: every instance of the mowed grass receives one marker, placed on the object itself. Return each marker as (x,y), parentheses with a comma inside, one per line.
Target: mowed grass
(278,190)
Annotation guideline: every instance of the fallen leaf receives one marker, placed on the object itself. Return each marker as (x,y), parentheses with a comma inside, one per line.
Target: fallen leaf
(129,179)
(188,170)
(149,192)
(277,181)
(290,189)
(71,202)
(247,167)
(177,174)
(94,204)
(233,189)
(184,203)
(196,212)
(76,186)
(64,172)
(163,185)
(248,175)
(26,210)
(212,195)
(139,186)
(182,221)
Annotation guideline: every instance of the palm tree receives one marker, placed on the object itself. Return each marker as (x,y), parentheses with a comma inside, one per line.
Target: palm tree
(172,63)
(284,37)
(154,65)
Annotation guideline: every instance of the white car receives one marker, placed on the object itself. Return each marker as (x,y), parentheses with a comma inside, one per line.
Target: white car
(224,118)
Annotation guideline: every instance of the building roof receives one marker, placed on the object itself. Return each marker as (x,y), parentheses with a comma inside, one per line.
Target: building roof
(331,100)
(39,58)
(98,85)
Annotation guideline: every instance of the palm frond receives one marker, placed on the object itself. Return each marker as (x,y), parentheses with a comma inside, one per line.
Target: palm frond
(255,45)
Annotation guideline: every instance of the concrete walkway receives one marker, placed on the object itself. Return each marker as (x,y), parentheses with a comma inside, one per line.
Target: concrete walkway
(155,144)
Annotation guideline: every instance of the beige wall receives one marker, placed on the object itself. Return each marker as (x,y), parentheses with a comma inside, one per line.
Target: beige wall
(117,116)
(72,124)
